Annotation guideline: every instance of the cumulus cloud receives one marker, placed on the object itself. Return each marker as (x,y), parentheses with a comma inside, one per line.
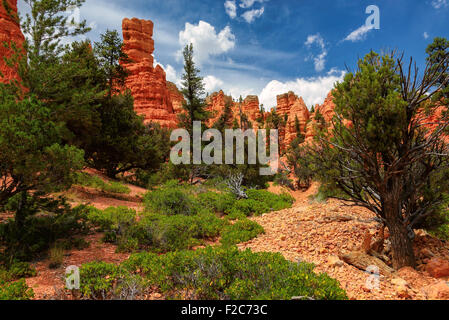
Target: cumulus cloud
(313,90)
(252,15)
(206,41)
(359,34)
(212,84)
(231,8)
(249,3)
(319,60)
(170,72)
(437,4)
(426,35)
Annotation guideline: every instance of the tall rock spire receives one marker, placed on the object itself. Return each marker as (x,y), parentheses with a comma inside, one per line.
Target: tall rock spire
(9,32)
(153,96)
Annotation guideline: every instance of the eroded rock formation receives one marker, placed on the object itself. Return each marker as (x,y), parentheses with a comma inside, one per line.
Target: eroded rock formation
(10,33)
(292,107)
(154,97)
(250,107)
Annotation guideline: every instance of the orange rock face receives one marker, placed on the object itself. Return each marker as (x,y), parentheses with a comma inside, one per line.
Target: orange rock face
(9,32)
(327,110)
(216,103)
(154,98)
(292,106)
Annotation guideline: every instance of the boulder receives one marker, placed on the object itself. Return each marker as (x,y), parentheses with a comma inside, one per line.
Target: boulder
(438,291)
(438,268)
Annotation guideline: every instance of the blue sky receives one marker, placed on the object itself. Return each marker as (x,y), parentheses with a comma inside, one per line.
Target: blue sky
(268,47)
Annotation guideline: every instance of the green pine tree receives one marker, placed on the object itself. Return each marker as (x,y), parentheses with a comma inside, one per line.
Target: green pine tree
(193,91)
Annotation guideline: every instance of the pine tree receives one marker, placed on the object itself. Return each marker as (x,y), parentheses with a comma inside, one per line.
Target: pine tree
(193,91)
(225,120)
(111,56)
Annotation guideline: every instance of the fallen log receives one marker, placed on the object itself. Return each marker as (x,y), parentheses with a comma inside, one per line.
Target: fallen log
(363,261)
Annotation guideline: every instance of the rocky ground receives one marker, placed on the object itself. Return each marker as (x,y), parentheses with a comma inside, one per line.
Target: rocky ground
(320,232)
(310,231)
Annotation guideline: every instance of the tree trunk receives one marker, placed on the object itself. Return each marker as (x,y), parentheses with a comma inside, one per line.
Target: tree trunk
(20,215)
(401,244)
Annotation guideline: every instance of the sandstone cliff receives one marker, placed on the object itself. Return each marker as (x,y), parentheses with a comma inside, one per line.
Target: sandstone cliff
(9,32)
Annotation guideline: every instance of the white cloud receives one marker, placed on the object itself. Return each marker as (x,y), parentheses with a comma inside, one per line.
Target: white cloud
(249,3)
(319,60)
(313,90)
(426,35)
(437,4)
(170,72)
(359,34)
(206,41)
(252,15)
(212,84)
(231,8)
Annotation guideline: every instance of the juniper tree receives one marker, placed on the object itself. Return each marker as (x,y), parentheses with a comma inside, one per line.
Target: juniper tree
(34,162)
(386,159)
(437,52)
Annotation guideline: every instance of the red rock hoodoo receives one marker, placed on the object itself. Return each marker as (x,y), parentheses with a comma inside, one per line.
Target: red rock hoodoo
(154,98)
(9,32)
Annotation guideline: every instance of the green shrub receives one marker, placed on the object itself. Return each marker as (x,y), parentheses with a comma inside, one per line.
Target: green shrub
(171,200)
(116,187)
(162,233)
(103,281)
(259,202)
(155,232)
(217,202)
(112,219)
(227,273)
(20,270)
(15,290)
(95,182)
(98,279)
(241,231)
(274,201)
(40,232)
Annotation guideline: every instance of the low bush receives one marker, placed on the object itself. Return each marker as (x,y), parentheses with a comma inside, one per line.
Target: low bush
(160,233)
(259,202)
(56,257)
(95,182)
(227,273)
(15,290)
(40,231)
(216,202)
(241,231)
(172,199)
(104,281)
(155,232)
(112,219)
(12,282)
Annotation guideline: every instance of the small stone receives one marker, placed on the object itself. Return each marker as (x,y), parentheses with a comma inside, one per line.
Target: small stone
(334,261)
(399,282)
(403,292)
